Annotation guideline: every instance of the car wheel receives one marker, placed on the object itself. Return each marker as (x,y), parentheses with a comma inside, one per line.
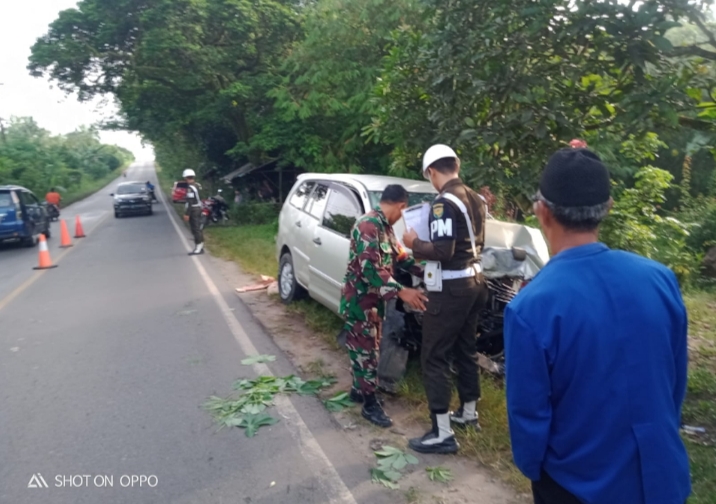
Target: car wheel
(288,287)
(150,211)
(48,232)
(117,215)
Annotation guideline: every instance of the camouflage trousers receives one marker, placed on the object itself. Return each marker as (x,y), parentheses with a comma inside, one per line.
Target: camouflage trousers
(363,342)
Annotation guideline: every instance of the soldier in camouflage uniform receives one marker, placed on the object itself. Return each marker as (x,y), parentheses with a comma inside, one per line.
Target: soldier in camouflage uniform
(369,283)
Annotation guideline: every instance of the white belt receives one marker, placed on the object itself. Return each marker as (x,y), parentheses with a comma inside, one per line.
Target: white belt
(466,273)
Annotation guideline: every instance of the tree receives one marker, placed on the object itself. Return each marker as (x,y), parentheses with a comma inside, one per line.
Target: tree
(182,70)
(323,102)
(507,83)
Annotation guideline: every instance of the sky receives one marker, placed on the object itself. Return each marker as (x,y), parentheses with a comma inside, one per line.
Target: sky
(21,23)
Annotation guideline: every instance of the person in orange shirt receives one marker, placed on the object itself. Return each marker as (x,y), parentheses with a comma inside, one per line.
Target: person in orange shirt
(53,197)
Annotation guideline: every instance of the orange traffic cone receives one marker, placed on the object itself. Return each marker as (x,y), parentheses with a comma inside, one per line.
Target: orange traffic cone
(45,261)
(64,235)
(79,233)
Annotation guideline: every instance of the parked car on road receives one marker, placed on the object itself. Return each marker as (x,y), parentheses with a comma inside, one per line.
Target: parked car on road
(313,241)
(22,216)
(132,198)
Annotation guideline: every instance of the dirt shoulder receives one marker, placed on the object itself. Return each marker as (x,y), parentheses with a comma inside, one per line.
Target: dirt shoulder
(313,355)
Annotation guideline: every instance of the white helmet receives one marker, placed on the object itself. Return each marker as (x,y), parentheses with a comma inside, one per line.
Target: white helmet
(438,151)
(188,173)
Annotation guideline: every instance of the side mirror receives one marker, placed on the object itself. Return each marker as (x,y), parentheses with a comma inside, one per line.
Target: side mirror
(111,194)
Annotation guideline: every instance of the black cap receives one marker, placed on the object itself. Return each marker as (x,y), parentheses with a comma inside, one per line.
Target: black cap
(575,178)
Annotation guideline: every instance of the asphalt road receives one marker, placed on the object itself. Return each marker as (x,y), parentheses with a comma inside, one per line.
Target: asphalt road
(106,360)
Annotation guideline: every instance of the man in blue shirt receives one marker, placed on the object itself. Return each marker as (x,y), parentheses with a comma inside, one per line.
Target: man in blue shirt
(596,352)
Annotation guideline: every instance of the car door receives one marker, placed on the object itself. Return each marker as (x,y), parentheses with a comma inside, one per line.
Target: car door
(34,214)
(10,214)
(331,244)
(294,225)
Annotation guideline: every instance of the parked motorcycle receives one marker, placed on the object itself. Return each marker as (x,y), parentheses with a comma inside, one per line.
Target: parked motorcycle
(53,211)
(214,210)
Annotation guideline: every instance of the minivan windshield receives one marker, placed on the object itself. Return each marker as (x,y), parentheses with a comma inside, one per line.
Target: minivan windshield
(413,197)
(131,189)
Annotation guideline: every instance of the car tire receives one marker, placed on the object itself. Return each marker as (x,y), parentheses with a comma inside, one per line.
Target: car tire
(288,287)
(48,232)
(151,211)
(393,356)
(117,215)
(31,240)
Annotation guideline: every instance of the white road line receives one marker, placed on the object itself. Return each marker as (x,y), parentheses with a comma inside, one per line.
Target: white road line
(328,478)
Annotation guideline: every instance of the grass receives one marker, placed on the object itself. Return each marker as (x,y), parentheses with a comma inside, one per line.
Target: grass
(250,246)
(88,188)
(253,248)
(700,405)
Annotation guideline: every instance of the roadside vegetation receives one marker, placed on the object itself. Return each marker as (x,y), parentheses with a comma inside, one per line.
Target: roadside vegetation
(77,163)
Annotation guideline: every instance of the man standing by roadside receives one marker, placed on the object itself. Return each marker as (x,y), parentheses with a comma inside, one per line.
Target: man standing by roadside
(457,294)
(369,283)
(192,214)
(596,357)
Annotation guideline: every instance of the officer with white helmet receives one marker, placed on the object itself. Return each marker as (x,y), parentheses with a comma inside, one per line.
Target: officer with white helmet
(192,214)
(457,292)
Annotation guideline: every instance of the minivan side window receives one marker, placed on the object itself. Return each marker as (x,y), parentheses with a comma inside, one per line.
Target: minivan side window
(317,202)
(298,198)
(342,210)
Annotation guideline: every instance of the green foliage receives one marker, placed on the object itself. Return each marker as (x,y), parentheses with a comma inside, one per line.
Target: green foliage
(254,213)
(391,461)
(703,234)
(439,474)
(339,402)
(635,224)
(507,83)
(30,156)
(258,359)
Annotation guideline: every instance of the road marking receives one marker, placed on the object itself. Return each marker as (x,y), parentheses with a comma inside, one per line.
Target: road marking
(328,478)
(27,283)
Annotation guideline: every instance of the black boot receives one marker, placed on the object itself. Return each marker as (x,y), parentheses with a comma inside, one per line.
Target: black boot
(440,439)
(373,412)
(357,397)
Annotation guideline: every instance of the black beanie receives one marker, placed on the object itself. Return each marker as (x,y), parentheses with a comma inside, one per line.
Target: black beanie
(575,178)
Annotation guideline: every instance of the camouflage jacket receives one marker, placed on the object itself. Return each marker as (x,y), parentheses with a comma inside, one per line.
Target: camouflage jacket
(375,252)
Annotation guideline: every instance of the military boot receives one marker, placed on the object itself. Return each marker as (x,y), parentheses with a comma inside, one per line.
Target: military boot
(357,397)
(466,416)
(440,439)
(373,412)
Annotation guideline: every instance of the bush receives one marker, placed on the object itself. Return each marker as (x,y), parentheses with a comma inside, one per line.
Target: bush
(703,234)
(636,224)
(254,213)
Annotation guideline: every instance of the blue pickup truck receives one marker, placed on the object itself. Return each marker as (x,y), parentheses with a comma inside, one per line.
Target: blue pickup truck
(22,216)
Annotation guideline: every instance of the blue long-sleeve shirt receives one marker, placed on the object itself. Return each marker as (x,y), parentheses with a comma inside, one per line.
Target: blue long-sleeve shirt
(596,354)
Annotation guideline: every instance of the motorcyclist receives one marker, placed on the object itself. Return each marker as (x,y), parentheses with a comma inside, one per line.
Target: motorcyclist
(53,198)
(150,190)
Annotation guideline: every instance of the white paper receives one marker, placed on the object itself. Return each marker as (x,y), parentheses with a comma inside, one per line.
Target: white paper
(417,217)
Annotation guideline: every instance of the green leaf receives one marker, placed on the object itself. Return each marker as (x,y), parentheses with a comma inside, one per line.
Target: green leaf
(339,402)
(439,474)
(392,458)
(252,423)
(386,479)
(256,359)
(662,43)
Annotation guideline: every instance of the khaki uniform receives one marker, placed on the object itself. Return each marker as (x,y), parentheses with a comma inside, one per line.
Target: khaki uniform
(450,322)
(193,210)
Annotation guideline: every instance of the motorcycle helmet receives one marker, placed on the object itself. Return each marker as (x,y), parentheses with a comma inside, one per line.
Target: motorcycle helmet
(188,173)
